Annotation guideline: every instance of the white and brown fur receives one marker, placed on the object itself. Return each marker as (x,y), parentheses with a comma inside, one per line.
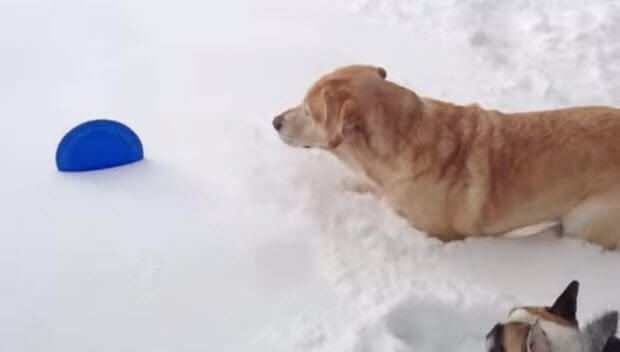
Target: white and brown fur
(553,329)
(461,171)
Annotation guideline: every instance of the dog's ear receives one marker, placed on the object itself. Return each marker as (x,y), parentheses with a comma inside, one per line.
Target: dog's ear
(340,114)
(537,340)
(381,71)
(565,306)
(495,339)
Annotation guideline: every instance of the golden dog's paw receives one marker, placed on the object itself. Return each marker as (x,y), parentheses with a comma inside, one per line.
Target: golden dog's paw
(357,185)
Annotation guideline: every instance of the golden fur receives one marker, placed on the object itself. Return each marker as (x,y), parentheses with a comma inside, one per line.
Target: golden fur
(457,171)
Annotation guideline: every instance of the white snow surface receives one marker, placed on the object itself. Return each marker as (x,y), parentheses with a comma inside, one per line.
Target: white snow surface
(225,239)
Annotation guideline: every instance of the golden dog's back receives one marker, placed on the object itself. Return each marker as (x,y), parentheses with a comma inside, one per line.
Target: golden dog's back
(543,163)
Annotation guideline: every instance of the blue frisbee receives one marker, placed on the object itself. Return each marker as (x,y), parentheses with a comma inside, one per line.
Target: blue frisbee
(98,144)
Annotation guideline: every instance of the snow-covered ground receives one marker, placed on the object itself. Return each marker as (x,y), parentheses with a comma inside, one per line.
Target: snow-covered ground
(224,239)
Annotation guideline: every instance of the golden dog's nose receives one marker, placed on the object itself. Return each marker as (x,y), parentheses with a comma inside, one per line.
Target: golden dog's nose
(277,122)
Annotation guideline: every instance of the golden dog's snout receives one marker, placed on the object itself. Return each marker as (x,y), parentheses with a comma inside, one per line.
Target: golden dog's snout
(277,122)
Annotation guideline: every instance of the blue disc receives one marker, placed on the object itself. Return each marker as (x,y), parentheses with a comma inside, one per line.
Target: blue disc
(98,144)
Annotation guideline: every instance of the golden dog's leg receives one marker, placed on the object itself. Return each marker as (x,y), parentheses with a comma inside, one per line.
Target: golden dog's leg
(544,231)
(552,232)
(596,220)
(448,237)
(358,184)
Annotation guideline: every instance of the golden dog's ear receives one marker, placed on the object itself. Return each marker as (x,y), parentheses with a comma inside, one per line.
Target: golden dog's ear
(340,112)
(382,72)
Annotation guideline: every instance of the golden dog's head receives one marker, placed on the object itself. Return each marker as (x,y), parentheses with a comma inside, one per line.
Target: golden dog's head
(333,108)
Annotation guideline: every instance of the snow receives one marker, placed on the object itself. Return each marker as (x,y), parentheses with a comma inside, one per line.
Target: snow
(225,239)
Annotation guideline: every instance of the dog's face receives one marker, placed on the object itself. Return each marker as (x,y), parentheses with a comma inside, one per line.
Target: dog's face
(333,106)
(540,329)
(517,337)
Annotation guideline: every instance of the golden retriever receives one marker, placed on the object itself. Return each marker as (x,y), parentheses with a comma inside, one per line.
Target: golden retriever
(460,171)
